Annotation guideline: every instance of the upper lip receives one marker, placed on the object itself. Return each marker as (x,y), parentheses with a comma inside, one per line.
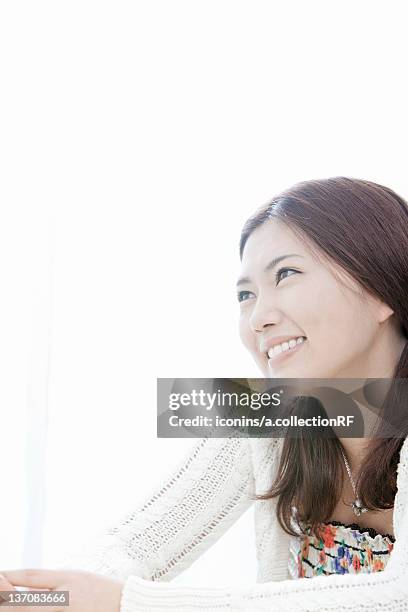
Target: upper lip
(266,345)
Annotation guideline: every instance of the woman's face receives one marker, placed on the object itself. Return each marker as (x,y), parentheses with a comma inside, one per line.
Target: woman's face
(301,317)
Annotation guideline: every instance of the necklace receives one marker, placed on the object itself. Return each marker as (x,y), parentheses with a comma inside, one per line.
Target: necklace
(357,505)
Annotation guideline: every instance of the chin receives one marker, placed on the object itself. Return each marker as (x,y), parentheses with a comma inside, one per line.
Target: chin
(292,373)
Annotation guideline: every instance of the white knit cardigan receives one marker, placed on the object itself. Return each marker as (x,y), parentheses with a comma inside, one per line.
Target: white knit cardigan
(197,503)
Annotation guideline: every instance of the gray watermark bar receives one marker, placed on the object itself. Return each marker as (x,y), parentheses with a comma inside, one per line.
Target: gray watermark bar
(280,408)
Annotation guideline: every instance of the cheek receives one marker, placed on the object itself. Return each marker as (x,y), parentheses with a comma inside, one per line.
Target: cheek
(243,329)
(319,314)
(245,332)
(334,319)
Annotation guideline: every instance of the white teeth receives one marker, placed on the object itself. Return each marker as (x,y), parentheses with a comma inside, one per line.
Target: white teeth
(285,346)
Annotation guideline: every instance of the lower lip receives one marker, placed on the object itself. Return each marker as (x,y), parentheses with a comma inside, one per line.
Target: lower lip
(278,359)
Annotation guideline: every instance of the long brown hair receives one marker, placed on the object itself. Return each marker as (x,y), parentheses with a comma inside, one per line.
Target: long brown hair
(363,227)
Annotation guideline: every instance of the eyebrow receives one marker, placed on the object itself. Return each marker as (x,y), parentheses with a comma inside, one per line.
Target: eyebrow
(274,262)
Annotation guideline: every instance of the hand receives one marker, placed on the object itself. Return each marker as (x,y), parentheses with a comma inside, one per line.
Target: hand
(4,586)
(88,592)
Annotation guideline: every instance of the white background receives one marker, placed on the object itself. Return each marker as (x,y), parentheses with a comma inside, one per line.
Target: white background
(136,138)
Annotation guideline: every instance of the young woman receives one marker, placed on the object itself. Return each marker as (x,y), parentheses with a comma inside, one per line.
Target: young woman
(323,293)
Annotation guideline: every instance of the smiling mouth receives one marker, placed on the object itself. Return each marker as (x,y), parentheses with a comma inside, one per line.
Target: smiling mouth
(285,348)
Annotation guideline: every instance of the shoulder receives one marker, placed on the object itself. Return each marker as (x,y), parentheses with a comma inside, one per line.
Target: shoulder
(403,458)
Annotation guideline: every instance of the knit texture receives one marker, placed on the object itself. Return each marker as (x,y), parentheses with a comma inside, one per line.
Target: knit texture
(198,502)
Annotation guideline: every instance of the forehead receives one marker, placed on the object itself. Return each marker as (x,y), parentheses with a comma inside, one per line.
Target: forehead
(271,239)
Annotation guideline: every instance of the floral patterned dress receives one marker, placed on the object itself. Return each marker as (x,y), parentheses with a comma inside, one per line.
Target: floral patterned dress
(343,549)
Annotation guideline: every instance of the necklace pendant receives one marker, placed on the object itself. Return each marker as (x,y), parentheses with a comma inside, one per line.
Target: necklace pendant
(358,507)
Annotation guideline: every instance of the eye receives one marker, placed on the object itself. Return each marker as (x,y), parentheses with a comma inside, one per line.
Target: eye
(242,295)
(282,271)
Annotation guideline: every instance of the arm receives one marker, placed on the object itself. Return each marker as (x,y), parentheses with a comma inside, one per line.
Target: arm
(199,500)
(376,592)
(386,590)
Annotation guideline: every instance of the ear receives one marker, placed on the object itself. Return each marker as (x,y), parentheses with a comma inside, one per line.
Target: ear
(383,312)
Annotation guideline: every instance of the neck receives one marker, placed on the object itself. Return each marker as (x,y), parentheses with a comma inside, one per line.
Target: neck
(380,359)
(379,363)
(355,450)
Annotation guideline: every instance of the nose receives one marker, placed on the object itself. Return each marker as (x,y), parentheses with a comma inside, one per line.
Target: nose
(264,315)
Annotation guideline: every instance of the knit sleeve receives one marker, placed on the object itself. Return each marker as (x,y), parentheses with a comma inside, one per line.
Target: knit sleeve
(375,592)
(210,488)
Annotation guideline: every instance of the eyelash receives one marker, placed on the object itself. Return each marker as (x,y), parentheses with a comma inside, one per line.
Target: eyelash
(277,275)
